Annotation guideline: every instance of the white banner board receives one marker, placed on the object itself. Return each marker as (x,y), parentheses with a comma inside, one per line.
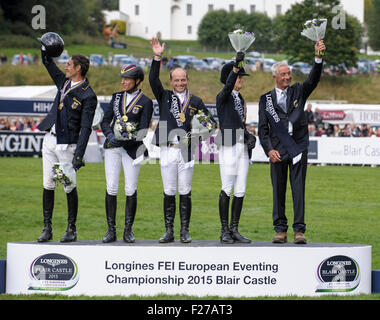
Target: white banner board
(334,150)
(201,268)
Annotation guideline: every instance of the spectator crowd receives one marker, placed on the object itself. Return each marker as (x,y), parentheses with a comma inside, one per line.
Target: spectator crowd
(318,128)
(20,123)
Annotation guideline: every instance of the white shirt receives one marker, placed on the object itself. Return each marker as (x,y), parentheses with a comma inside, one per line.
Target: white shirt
(131,96)
(180,95)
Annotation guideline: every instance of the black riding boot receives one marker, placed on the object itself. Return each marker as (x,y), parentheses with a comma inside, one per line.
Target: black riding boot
(130,213)
(169,214)
(47,208)
(237,204)
(72,209)
(224,204)
(185,213)
(111,206)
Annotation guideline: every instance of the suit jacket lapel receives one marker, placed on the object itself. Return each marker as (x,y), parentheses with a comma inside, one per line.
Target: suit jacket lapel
(274,99)
(289,99)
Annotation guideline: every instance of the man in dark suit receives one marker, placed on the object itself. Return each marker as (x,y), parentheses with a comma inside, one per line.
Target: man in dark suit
(283,133)
(68,126)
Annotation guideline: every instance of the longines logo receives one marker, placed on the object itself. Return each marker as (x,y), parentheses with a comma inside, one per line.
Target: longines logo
(53,272)
(338,274)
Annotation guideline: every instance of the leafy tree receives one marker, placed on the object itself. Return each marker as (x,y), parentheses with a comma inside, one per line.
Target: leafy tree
(62,16)
(215,26)
(342,43)
(373,20)
(213,29)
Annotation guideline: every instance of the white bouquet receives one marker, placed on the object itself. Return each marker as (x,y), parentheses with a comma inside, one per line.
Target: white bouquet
(201,124)
(63,173)
(315,30)
(241,40)
(124,130)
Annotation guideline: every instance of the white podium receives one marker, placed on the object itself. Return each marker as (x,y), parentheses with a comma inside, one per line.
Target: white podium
(201,268)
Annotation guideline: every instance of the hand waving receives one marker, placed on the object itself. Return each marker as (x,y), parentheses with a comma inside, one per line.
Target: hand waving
(157,48)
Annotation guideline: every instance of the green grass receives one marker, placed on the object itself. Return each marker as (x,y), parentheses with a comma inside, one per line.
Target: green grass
(342,206)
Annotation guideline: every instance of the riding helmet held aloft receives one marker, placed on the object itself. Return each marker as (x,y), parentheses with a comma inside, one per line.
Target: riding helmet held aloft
(132,71)
(227,68)
(53,44)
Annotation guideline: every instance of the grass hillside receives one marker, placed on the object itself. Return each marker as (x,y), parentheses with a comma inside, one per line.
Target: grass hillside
(106,80)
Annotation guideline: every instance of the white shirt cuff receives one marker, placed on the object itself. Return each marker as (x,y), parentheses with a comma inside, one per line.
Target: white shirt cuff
(318,60)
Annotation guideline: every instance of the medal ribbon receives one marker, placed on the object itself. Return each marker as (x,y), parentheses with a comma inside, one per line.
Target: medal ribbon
(132,103)
(72,88)
(186,102)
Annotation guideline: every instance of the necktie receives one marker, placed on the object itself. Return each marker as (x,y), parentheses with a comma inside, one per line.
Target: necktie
(282,101)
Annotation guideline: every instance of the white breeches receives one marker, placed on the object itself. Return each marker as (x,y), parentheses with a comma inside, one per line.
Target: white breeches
(173,169)
(51,155)
(234,165)
(114,159)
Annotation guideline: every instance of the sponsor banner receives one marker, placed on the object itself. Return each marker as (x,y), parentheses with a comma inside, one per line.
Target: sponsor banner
(201,269)
(333,150)
(42,106)
(358,116)
(21,143)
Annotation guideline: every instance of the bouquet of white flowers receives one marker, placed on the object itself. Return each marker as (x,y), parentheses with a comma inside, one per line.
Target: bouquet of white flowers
(241,40)
(315,30)
(124,130)
(201,124)
(63,173)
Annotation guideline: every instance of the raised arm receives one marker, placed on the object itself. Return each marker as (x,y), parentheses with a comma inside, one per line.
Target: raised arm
(315,74)
(154,74)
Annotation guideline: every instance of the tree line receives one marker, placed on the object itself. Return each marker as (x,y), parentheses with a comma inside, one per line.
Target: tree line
(283,32)
(62,16)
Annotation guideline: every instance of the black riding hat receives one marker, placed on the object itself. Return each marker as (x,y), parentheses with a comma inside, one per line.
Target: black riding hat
(53,44)
(227,69)
(132,71)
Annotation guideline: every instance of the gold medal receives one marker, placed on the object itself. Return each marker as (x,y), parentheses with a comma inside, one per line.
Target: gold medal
(60,106)
(182,117)
(125,118)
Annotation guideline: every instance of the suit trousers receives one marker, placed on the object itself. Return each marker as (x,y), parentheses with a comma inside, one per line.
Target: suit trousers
(234,165)
(53,153)
(174,170)
(297,177)
(114,159)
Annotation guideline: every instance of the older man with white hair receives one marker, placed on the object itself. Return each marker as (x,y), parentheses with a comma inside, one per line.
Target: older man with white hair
(283,133)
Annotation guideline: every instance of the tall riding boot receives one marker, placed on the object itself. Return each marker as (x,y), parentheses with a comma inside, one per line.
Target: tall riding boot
(72,210)
(47,208)
(224,204)
(130,213)
(185,213)
(111,206)
(169,214)
(237,204)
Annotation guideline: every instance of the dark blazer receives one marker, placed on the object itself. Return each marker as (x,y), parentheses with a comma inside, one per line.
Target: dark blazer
(141,113)
(297,94)
(74,121)
(228,117)
(164,99)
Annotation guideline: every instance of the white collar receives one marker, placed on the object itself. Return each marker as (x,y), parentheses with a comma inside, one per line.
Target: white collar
(279,91)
